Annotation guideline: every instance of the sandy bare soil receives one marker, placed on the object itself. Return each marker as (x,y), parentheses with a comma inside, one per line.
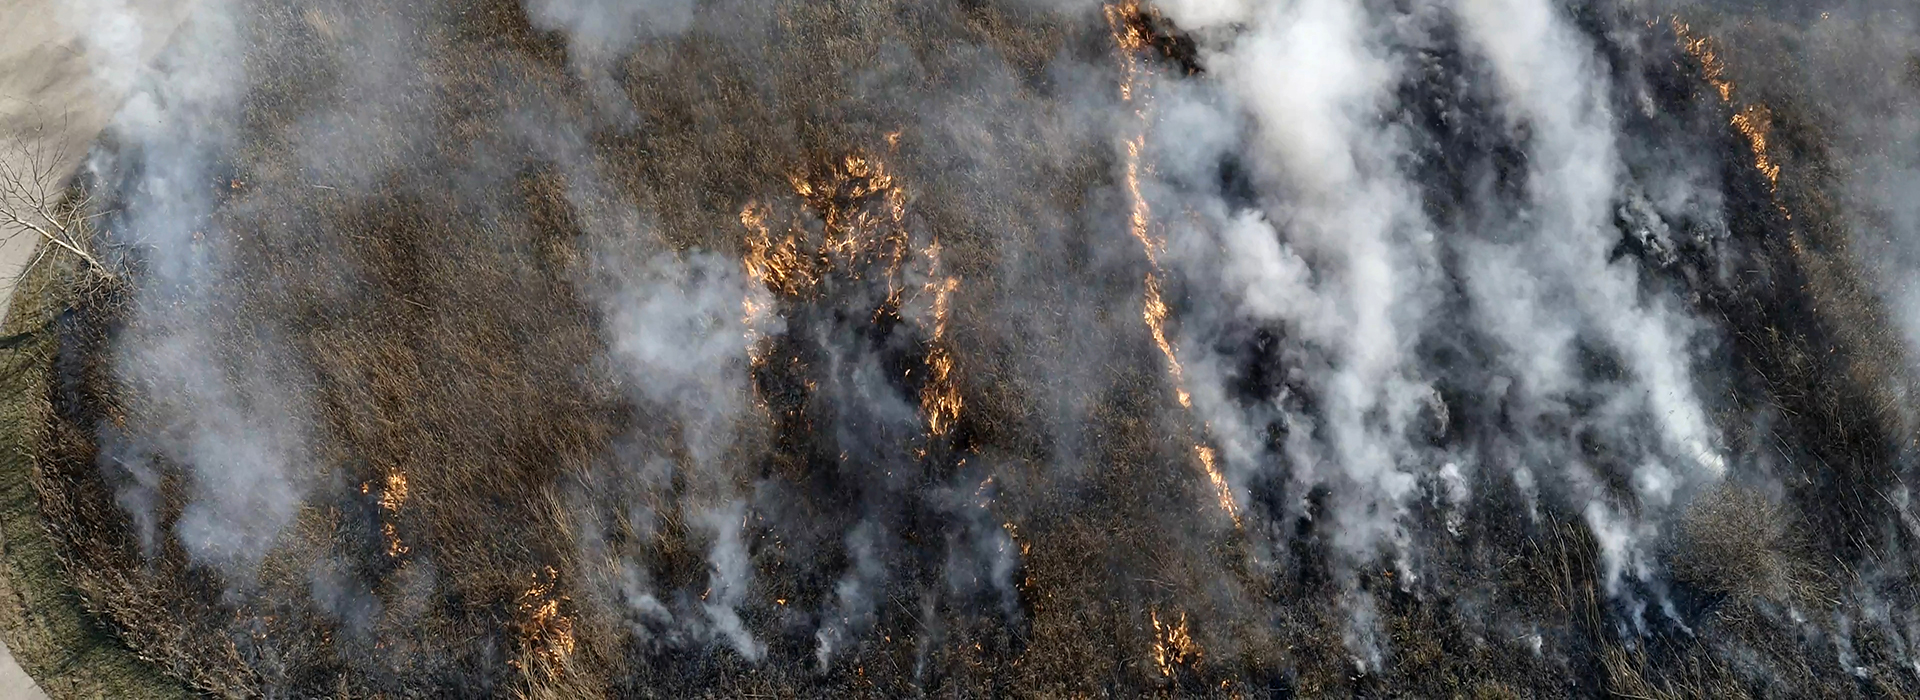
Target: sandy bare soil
(47,91)
(49,97)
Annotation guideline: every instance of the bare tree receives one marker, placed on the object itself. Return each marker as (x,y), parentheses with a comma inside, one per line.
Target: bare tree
(35,199)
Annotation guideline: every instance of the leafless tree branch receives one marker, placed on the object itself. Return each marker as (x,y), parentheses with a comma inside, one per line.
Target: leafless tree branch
(34,196)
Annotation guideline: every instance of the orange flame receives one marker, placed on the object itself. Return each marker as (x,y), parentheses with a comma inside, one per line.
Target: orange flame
(393,494)
(840,194)
(863,209)
(1754,121)
(1701,49)
(547,632)
(394,546)
(780,265)
(1173,645)
(1154,310)
(1221,491)
(940,399)
(396,492)
(1132,40)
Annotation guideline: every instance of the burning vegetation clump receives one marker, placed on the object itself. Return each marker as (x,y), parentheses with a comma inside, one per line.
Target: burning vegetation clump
(847,252)
(873,348)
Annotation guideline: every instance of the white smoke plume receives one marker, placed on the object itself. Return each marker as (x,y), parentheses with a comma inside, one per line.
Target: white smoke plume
(234,426)
(730,579)
(116,39)
(600,33)
(1558,94)
(1342,205)
(677,327)
(1337,249)
(854,598)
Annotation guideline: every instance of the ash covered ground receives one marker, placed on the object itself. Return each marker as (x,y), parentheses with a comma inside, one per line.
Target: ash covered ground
(1026,348)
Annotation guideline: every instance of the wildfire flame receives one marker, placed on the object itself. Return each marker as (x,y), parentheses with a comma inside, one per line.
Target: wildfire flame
(1754,121)
(1218,480)
(854,236)
(780,265)
(396,492)
(546,632)
(863,211)
(1132,39)
(1173,645)
(940,399)
(393,494)
(395,547)
(1154,310)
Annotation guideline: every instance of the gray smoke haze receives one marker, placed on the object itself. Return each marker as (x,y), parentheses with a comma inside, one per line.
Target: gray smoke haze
(1856,67)
(1862,64)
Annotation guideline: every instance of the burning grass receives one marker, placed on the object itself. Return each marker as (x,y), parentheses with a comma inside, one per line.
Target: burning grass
(489,511)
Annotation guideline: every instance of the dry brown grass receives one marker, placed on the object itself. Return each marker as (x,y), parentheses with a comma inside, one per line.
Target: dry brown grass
(439,317)
(1630,676)
(1736,541)
(69,651)
(439,332)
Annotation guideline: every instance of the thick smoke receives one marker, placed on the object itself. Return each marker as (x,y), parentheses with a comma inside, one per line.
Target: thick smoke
(1336,253)
(677,327)
(1333,254)
(1339,203)
(116,39)
(1558,93)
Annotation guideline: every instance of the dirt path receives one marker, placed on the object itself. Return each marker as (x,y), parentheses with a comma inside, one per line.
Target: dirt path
(14,682)
(47,89)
